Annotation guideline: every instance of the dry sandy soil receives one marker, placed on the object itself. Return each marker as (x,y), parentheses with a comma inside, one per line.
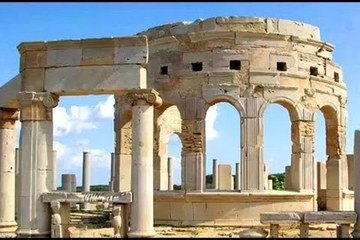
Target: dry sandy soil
(88,225)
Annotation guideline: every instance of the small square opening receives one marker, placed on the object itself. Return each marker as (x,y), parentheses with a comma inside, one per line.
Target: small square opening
(336,77)
(235,64)
(164,70)
(313,71)
(281,66)
(197,66)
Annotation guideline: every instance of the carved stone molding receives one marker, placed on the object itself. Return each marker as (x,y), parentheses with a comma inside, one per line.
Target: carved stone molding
(144,96)
(37,106)
(8,117)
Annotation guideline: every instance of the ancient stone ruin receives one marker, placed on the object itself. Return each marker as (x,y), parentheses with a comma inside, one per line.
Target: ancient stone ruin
(164,80)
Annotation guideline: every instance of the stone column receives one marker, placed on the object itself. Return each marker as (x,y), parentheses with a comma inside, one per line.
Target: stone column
(112,173)
(252,166)
(68,182)
(142,213)
(356,232)
(54,166)
(215,178)
(237,177)
(36,146)
(288,178)
(17,182)
(7,170)
(302,158)
(86,178)
(170,173)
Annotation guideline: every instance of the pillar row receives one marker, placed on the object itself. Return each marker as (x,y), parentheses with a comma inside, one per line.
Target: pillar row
(142,207)
(7,170)
(35,150)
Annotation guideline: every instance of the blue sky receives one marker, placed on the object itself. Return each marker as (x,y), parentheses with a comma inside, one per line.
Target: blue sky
(85,123)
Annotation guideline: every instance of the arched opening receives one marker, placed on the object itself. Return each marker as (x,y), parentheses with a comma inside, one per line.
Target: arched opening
(320,158)
(174,163)
(223,143)
(167,143)
(277,146)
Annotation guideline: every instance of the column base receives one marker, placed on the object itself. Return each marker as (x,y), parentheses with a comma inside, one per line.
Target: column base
(141,234)
(8,227)
(26,233)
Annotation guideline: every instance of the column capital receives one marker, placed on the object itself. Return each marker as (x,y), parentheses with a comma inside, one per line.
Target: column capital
(144,96)
(8,116)
(37,106)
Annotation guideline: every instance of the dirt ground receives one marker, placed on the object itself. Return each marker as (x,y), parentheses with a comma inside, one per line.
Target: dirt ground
(91,225)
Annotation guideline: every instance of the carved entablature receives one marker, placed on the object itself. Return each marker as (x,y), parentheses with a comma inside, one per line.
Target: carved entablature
(144,96)
(37,106)
(8,117)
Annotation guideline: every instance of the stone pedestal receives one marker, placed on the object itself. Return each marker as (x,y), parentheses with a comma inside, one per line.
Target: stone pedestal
(7,170)
(225,178)
(350,163)
(170,173)
(86,178)
(142,213)
(215,174)
(288,178)
(356,232)
(36,146)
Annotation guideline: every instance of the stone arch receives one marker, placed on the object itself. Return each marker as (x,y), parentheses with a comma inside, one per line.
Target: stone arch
(331,124)
(168,120)
(288,103)
(237,113)
(224,98)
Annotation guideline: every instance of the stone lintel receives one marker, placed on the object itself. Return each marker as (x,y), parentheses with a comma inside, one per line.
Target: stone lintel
(144,96)
(37,106)
(339,217)
(8,116)
(281,217)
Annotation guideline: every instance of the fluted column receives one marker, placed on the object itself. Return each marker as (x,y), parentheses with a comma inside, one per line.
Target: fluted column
(36,146)
(252,164)
(7,170)
(142,213)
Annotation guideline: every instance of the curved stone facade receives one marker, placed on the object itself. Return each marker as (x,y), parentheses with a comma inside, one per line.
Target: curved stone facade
(250,63)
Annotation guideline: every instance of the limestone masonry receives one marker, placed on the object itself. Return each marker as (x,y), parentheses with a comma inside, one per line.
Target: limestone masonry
(164,80)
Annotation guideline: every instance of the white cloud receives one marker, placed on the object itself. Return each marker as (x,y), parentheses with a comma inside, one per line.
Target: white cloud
(106,109)
(77,119)
(70,157)
(211,115)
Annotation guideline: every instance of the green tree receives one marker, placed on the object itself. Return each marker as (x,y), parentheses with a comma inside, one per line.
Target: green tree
(278,181)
